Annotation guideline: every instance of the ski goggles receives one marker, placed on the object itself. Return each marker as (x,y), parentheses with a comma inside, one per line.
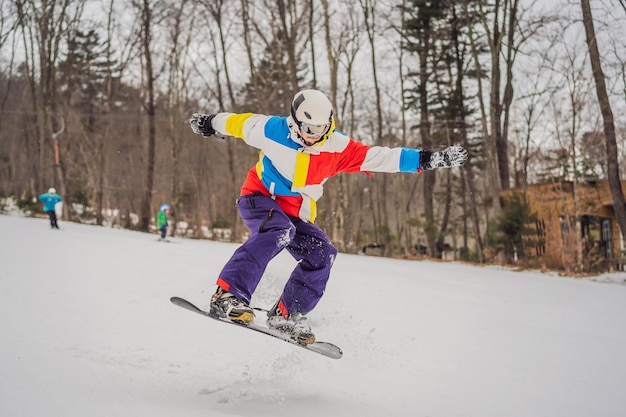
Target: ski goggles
(314,130)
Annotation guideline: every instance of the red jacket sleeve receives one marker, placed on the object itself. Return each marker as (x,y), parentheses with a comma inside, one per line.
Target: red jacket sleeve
(352,157)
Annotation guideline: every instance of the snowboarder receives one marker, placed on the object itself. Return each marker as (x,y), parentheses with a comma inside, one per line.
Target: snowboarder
(50,200)
(162,222)
(299,153)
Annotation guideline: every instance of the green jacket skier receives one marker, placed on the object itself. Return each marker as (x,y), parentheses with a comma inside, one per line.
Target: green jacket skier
(162,222)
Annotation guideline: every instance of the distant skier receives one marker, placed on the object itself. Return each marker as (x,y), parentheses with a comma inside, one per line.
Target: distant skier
(50,200)
(162,222)
(278,202)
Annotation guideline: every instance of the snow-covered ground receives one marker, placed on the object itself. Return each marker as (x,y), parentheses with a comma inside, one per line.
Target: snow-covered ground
(87,329)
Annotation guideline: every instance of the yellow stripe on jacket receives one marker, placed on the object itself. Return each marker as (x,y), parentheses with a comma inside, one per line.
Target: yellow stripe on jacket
(303,160)
(235,122)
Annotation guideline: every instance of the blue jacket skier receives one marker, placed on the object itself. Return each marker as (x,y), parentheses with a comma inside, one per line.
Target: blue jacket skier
(50,200)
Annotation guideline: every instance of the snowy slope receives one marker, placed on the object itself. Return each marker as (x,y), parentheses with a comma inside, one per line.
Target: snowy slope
(87,330)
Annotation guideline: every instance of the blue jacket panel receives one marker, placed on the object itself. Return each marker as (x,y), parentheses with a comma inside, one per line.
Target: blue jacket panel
(49,201)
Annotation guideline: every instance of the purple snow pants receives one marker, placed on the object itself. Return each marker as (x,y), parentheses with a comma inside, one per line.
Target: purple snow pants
(271,232)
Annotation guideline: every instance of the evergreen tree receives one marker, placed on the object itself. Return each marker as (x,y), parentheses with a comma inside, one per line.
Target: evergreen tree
(513,223)
(269,90)
(84,75)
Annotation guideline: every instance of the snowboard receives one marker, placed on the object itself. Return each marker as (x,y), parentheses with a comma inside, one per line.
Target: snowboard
(323,348)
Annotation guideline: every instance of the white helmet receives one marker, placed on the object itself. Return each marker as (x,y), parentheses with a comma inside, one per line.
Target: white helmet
(52,191)
(311,114)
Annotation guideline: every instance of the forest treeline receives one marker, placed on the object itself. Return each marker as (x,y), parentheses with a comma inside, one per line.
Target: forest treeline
(95,98)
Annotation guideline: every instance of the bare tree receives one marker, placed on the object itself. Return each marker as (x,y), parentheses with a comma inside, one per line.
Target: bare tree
(116,61)
(615,185)
(378,191)
(179,37)
(502,21)
(216,10)
(459,107)
(146,9)
(44,30)
(335,48)
(8,28)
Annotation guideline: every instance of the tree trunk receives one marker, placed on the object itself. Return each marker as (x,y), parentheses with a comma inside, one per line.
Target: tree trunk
(216,11)
(148,188)
(429,177)
(607,114)
(469,182)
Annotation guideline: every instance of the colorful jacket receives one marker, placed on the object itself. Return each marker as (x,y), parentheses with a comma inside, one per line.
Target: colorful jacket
(49,201)
(161,219)
(295,174)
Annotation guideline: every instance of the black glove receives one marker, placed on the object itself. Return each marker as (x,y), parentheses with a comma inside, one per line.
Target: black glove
(201,124)
(452,156)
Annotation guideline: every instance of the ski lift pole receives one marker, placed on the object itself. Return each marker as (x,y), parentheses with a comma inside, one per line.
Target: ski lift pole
(55,139)
(56,150)
(58,172)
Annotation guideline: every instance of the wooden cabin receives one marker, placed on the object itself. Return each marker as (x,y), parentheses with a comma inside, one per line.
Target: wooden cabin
(575,227)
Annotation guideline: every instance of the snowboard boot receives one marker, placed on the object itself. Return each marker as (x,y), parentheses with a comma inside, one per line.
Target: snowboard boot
(293,326)
(224,304)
